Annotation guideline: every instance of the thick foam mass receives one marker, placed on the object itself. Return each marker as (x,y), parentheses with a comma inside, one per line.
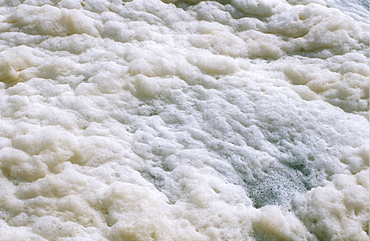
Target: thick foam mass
(184,120)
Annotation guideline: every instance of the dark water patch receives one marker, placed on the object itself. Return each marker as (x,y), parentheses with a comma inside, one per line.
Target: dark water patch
(276,187)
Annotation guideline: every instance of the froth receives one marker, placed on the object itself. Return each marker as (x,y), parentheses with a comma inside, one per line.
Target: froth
(183,120)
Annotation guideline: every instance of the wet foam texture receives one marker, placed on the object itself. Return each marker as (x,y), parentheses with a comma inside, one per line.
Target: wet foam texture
(184,120)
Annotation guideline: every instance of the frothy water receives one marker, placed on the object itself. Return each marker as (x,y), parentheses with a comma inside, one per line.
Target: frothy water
(184,120)
(358,9)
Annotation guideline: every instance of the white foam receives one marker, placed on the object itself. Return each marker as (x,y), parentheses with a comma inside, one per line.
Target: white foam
(183,120)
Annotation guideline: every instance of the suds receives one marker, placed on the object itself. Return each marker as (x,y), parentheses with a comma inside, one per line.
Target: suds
(183,120)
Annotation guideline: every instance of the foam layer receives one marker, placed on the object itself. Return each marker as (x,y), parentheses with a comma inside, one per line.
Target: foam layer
(183,120)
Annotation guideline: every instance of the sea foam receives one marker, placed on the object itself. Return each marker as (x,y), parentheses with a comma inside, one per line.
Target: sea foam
(184,120)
